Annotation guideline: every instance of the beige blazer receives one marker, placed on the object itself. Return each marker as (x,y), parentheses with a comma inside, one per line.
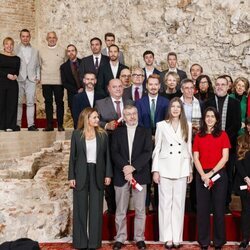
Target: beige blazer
(172,156)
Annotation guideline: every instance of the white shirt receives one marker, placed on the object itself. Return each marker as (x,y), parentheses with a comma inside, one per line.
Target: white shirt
(91,150)
(140,89)
(99,58)
(172,70)
(114,68)
(131,135)
(121,104)
(26,50)
(90,95)
(149,72)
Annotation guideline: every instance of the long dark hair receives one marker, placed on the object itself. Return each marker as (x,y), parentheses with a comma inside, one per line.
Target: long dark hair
(210,86)
(216,132)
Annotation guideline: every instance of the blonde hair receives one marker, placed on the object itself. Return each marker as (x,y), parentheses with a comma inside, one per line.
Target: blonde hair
(6,39)
(83,121)
(182,118)
(242,79)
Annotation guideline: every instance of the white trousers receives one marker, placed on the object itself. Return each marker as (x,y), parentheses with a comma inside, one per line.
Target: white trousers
(28,89)
(172,193)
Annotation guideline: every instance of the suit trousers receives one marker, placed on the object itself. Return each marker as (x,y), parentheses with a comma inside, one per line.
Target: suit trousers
(216,197)
(172,193)
(28,89)
(245,215)
(122,195)
(87,212)
(8,105)
(48,92)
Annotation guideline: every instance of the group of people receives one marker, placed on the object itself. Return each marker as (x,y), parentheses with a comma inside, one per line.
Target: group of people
(134,126)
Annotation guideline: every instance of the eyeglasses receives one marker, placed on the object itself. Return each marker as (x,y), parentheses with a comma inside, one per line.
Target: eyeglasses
(137,75)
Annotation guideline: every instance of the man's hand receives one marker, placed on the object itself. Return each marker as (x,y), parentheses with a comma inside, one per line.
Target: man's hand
(128,169)
(156,177)
(107,181)
(129,177)
(110,125)
(72,183)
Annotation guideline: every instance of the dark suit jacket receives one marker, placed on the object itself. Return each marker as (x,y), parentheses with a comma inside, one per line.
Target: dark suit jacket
(140,158)
(127,93)
(78,160)
(156,71)
(87,65)
(182,74)
(105,75)
(233,120)
(68,80)
(242,171)
(80,102)
(143,107)
(107,110)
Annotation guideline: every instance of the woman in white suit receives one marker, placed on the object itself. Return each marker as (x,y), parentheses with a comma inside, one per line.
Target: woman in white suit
(172,170)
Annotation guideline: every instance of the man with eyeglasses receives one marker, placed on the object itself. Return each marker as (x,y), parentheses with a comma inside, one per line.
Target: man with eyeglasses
(136,91)
(229,109)
(125,78)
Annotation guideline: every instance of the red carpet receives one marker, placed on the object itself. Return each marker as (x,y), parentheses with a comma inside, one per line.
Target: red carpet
(106,246)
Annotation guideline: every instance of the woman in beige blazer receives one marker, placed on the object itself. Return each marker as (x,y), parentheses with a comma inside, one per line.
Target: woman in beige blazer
(172,170)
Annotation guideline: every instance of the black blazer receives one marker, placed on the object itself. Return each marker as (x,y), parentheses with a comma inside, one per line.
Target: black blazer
(156,71)
(87,65)
(78,160)
(68,80)
(242,171)
(141,155)
(128,95)
(233,121)
(80,102)
(105,75)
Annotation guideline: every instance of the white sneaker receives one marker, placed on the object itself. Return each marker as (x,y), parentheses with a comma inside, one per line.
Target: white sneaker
(9,130)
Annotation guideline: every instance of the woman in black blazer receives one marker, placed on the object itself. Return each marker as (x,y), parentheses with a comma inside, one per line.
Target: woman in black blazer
(243,179)
(89,169)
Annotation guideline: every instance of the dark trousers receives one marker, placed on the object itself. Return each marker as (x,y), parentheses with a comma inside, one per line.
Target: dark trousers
(231,174)
(70,101)
(8,105)
(110,197)
(245,215)
(215,197)
(48,92)
(88,207)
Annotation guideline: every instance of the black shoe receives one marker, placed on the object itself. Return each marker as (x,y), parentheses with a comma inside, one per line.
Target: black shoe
(218,248)
(168,246)
(60,129)
(141,245)
(48,129)
(117,246)
(33,128)
(17,128)
(243,245)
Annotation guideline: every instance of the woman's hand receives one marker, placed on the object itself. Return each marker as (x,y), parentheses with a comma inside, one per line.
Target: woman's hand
(156,177)
(190,178)
(12,77)
(107,181)
(72,183)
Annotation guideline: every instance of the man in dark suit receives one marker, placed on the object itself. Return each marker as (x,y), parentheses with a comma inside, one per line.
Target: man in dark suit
(70,74)
(149,69)
(137,90)
(229,109)
(131,152)
(110,70)
(195,71)
(93,62)
(110,110)
(87,98)
(172,66)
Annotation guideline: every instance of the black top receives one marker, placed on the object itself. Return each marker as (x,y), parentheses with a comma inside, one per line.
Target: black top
(170,96)
(8,65)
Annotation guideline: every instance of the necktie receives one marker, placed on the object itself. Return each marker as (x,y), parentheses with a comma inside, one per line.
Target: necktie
(152,113)
(96,63)
(136,94)
(118,109)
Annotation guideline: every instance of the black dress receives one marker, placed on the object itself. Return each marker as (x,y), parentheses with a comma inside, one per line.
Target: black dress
(8,91)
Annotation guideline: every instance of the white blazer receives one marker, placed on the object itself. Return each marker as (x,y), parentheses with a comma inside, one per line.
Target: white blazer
(30,70)
(172,156)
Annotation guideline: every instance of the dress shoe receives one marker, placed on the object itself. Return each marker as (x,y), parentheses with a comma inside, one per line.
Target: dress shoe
(60,129)
(168,245)
(243,245)
(117,246)
(48,129)
(33,128)
(141,245)
(17,128)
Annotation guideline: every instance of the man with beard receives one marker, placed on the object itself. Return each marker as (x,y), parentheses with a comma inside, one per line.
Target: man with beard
(70,74)
(110,70)
(86,98)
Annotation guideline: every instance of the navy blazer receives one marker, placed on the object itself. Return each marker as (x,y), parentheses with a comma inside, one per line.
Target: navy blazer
(140,157)
(105,75)
(143,107)
(80,102)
